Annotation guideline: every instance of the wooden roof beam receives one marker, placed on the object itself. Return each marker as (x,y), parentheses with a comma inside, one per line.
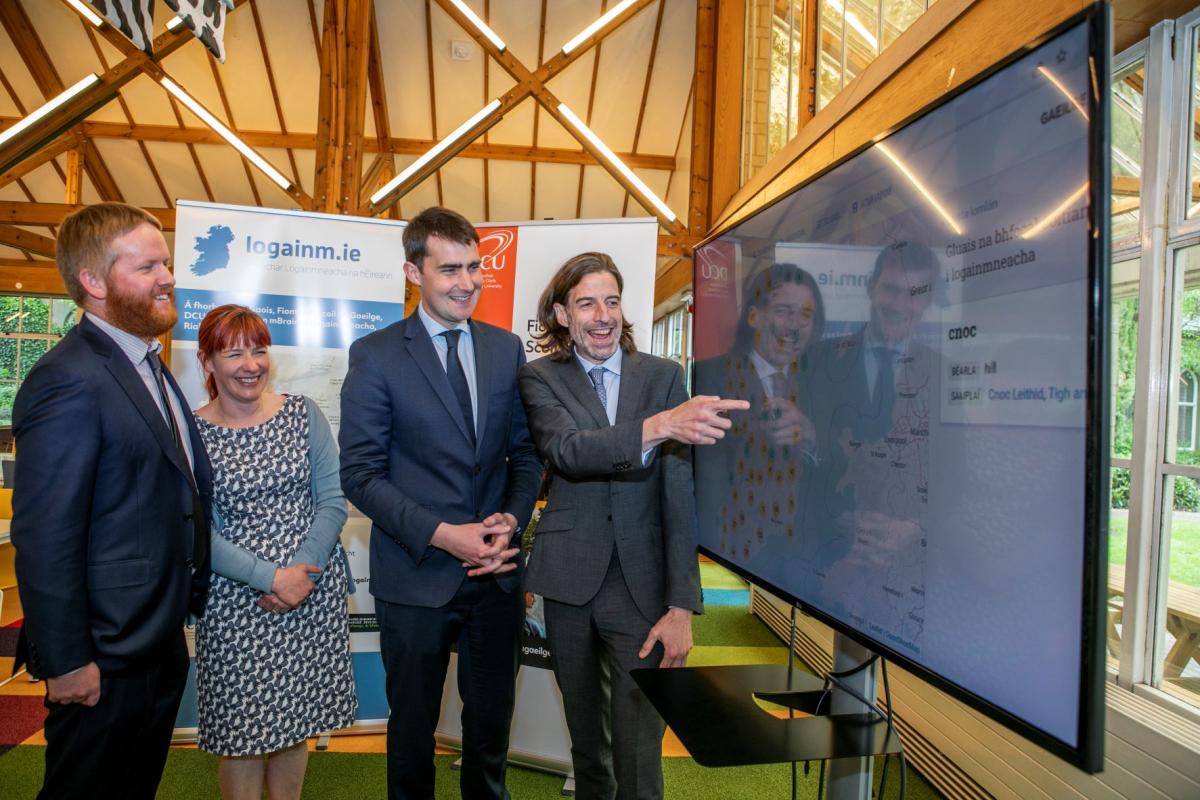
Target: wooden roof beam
(32,243)
(529,83)
(397,145)
(11,153)
(29,46)
(17,213)
(52,151)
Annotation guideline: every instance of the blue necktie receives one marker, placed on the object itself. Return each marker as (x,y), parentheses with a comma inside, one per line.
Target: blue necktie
(597,376)
(458,381)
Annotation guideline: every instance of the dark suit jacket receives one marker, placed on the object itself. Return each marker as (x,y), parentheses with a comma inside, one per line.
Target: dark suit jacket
(717,466)
(601,496)
(101,512)
(407,462)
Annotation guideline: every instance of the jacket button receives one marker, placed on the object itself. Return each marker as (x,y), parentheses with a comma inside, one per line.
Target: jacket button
(477,469)
(610,517)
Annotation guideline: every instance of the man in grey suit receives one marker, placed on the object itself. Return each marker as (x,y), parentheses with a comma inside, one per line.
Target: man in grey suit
(615,552)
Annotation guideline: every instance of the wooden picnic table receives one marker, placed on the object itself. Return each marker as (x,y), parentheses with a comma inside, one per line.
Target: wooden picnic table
(1183,620)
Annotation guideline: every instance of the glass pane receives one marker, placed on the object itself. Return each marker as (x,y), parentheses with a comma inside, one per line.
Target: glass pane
(10,314)
(1127,119)
(829,65)
(1192,203)
(62,316)
(898,15)
(8,359)
(1186,334)
(1118,525)
(1124,354)
(1179,637)
(31,351)
(862,32)
(35,316)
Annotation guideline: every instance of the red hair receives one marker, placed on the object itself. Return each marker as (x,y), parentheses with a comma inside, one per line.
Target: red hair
(229,326)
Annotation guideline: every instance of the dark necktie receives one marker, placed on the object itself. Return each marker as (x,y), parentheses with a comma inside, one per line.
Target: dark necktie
(458,381)
(199,528)
(885,380)
(597,376)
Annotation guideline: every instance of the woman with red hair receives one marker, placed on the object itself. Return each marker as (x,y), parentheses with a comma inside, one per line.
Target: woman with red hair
(272,650)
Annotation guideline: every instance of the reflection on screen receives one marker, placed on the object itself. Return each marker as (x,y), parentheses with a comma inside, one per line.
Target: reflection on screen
(911,332)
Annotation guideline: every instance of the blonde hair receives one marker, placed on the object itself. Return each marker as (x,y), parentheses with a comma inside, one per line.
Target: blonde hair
(85,241)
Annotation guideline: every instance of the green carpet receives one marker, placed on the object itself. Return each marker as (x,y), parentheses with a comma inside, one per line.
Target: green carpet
(192,775)
(731,626)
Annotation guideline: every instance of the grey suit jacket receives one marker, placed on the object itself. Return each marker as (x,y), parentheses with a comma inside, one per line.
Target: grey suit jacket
(602,497)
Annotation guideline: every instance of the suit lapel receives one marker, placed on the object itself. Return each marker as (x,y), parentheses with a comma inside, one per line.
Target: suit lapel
(131,383)
(484,364)
(629,396)
(420,348)
(580,385)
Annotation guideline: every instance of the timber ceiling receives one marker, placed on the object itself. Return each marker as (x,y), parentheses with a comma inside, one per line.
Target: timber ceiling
(425,75)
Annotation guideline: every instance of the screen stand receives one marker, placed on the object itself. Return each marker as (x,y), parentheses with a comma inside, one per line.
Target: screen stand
(850,778)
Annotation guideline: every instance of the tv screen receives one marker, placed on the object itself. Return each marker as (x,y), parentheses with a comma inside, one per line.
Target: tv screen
(920,332)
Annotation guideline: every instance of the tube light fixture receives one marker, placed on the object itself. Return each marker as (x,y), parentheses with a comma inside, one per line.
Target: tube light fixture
(45,110)
(435,151)
(226,134)
(920,187)
(86,13)
(1064,91)
(605,18)
(479,24)
(1053,215)
(642,189)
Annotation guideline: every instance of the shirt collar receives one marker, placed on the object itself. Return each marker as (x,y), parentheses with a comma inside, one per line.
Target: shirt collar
(764,368)
(133,346)
(873,343)
(612,363)
(436,328)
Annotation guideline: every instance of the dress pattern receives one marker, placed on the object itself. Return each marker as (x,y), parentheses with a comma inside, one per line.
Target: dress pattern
(267,681)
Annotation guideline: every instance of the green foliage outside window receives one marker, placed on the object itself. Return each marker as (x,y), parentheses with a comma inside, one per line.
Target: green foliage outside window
(29,327)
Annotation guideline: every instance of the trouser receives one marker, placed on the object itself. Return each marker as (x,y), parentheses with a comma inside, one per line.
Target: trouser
(118,747)
(616,735)
(485,622)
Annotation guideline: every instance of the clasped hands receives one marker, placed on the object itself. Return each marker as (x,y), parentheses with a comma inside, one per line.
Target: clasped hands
(482,547)
(290,587)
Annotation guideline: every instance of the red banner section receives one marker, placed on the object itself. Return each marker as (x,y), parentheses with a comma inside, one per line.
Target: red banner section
(498,260)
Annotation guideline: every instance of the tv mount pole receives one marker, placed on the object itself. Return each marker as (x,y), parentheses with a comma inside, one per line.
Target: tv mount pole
(850,778)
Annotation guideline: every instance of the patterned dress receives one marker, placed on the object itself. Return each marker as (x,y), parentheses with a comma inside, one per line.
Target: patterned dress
(267,681)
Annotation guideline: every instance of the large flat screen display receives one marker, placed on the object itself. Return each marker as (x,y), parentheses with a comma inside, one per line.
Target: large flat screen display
(919,333)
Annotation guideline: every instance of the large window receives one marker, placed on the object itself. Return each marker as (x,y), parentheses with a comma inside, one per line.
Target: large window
(29,326)
(774,74)
(1154,541)
(672,337)
(853,32)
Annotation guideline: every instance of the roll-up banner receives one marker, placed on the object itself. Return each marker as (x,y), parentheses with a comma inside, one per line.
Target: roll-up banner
(320,282)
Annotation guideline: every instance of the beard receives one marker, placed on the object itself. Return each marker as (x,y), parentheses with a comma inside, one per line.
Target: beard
(139,314)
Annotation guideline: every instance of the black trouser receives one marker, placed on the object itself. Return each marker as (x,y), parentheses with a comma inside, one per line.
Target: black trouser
(485,621)
(118,747)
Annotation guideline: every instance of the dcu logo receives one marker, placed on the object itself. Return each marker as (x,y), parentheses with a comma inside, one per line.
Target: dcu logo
(496,249)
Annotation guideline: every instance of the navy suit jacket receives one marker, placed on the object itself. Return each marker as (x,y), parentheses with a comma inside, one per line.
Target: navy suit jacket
(407,462)
(102,512)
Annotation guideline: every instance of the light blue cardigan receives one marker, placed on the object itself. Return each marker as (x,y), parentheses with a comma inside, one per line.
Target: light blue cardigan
(239,564)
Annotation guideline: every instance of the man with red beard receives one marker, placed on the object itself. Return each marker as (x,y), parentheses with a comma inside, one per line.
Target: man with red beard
(110,514)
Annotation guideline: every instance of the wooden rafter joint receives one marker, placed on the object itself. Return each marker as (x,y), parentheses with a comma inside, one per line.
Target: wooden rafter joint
(32,243)
(677,245)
